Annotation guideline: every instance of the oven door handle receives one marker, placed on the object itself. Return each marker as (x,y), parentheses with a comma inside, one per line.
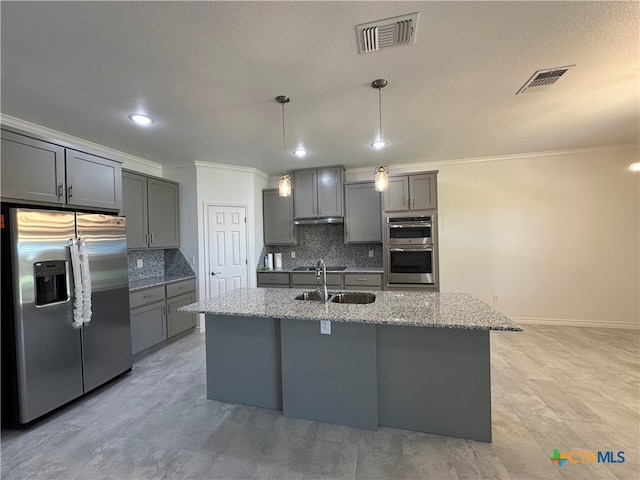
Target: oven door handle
(426,249)
(410,225)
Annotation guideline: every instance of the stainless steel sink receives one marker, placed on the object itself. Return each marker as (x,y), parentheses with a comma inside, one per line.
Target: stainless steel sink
(309,296)
(313,269)
(345,297)
(353,297)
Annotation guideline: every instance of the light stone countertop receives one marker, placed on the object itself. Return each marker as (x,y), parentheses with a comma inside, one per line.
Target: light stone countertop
(143,283)
(420,309)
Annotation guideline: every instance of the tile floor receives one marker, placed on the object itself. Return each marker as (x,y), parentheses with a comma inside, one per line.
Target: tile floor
(565,388)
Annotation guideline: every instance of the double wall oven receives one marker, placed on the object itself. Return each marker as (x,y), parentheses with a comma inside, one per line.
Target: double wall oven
(410,251)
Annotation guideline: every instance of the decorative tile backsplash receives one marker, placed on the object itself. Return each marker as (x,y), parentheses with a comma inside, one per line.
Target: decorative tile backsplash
(157,263)
(327,242)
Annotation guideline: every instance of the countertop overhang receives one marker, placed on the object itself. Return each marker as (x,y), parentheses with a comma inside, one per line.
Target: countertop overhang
(417,309)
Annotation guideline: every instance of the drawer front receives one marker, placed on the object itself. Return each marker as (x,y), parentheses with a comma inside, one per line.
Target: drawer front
(362,279)
(272,278)
(180,288)
(333,279)
(143,297)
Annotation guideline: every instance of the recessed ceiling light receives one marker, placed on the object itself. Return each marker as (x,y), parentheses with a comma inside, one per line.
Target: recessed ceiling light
(141,119)
(378,144)
(635,167)
(300,153)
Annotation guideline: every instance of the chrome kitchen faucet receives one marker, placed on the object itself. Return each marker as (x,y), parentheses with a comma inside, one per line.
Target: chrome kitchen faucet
(321,267)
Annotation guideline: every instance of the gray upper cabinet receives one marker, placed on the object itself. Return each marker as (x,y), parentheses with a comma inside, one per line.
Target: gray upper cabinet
(317,193)
(277,217)
(164,225)
(363,213)
(134,207)
(151,207)
(93,181)
(32,169)
(411,192)
(35,170)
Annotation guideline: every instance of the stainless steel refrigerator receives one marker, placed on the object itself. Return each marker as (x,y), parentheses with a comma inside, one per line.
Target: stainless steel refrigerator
(47,362)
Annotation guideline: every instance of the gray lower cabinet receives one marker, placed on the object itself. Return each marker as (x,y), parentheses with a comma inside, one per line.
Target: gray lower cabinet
(35,170)
(151,207)
(277,214)
(148,318)
(178,295)
(363,213)
(363,281)
(273,279)
(155,316)
(411,192)
(308,280)
(317,193)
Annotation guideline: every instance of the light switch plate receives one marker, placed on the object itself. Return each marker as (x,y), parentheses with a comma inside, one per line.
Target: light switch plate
(325,327)
(293,254)
(139,263)
(371,253)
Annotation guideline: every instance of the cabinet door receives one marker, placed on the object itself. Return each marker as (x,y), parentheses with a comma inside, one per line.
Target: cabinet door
(422,191)
(305,194)
(93,181)
(363,213)
(277,217)
(396,198)
(147,326)
(164,228)
(180,321)
(31,169)
(134,207)
(330,192)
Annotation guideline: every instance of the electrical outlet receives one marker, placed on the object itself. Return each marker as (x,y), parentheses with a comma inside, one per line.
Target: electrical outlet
(193,260)
(325,327)
(293,254)
(371,253)
(496,299)
(139,263)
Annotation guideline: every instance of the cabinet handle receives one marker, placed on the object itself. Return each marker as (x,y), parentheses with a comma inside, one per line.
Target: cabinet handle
(146,238)
(147,296)
(60,189)
(168,309)
(413,202)
(151,238)
(70,190)
(405,200)
(362,279)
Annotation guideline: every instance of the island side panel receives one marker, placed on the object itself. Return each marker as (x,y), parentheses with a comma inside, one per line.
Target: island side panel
(330,378)
(243,360)
(435,380)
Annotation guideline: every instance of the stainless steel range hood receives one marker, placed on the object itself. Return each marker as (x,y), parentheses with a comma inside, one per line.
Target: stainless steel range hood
(318,221)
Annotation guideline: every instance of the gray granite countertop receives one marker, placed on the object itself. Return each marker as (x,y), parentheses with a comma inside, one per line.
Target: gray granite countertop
(421,309)
(347,270)
(143,283)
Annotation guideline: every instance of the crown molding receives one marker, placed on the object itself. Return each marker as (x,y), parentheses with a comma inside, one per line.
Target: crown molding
(430,164)
(223,166)
(130,160)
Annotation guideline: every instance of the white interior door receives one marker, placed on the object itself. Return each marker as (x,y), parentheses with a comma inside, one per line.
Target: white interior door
(226,248)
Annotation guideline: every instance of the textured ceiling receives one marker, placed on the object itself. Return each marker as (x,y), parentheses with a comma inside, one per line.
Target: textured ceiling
(208,72)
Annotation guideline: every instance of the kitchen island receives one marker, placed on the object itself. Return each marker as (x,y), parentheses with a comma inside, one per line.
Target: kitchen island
(411,360)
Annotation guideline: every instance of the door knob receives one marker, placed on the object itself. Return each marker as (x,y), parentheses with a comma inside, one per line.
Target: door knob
(215,273)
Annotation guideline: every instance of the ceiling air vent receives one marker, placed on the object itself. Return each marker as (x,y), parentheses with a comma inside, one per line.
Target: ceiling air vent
(543,79)
(391,32)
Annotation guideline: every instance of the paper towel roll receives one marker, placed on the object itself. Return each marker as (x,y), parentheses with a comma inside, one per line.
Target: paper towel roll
(270,260)
(277,260)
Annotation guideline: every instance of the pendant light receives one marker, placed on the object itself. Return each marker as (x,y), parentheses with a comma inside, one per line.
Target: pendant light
(379,85)
(284,186)
(381,174)
(381,179)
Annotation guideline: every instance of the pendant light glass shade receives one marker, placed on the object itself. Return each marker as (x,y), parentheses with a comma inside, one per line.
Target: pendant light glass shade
(284,186)
(381,180)
(379,85)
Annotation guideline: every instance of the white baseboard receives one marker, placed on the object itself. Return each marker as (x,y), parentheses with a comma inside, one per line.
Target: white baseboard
(575,323)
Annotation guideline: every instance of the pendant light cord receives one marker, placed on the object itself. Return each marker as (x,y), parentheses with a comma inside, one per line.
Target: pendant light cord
(380,110)
(284,155)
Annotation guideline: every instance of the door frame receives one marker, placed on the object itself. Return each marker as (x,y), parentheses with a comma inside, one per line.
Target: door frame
(207,205)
